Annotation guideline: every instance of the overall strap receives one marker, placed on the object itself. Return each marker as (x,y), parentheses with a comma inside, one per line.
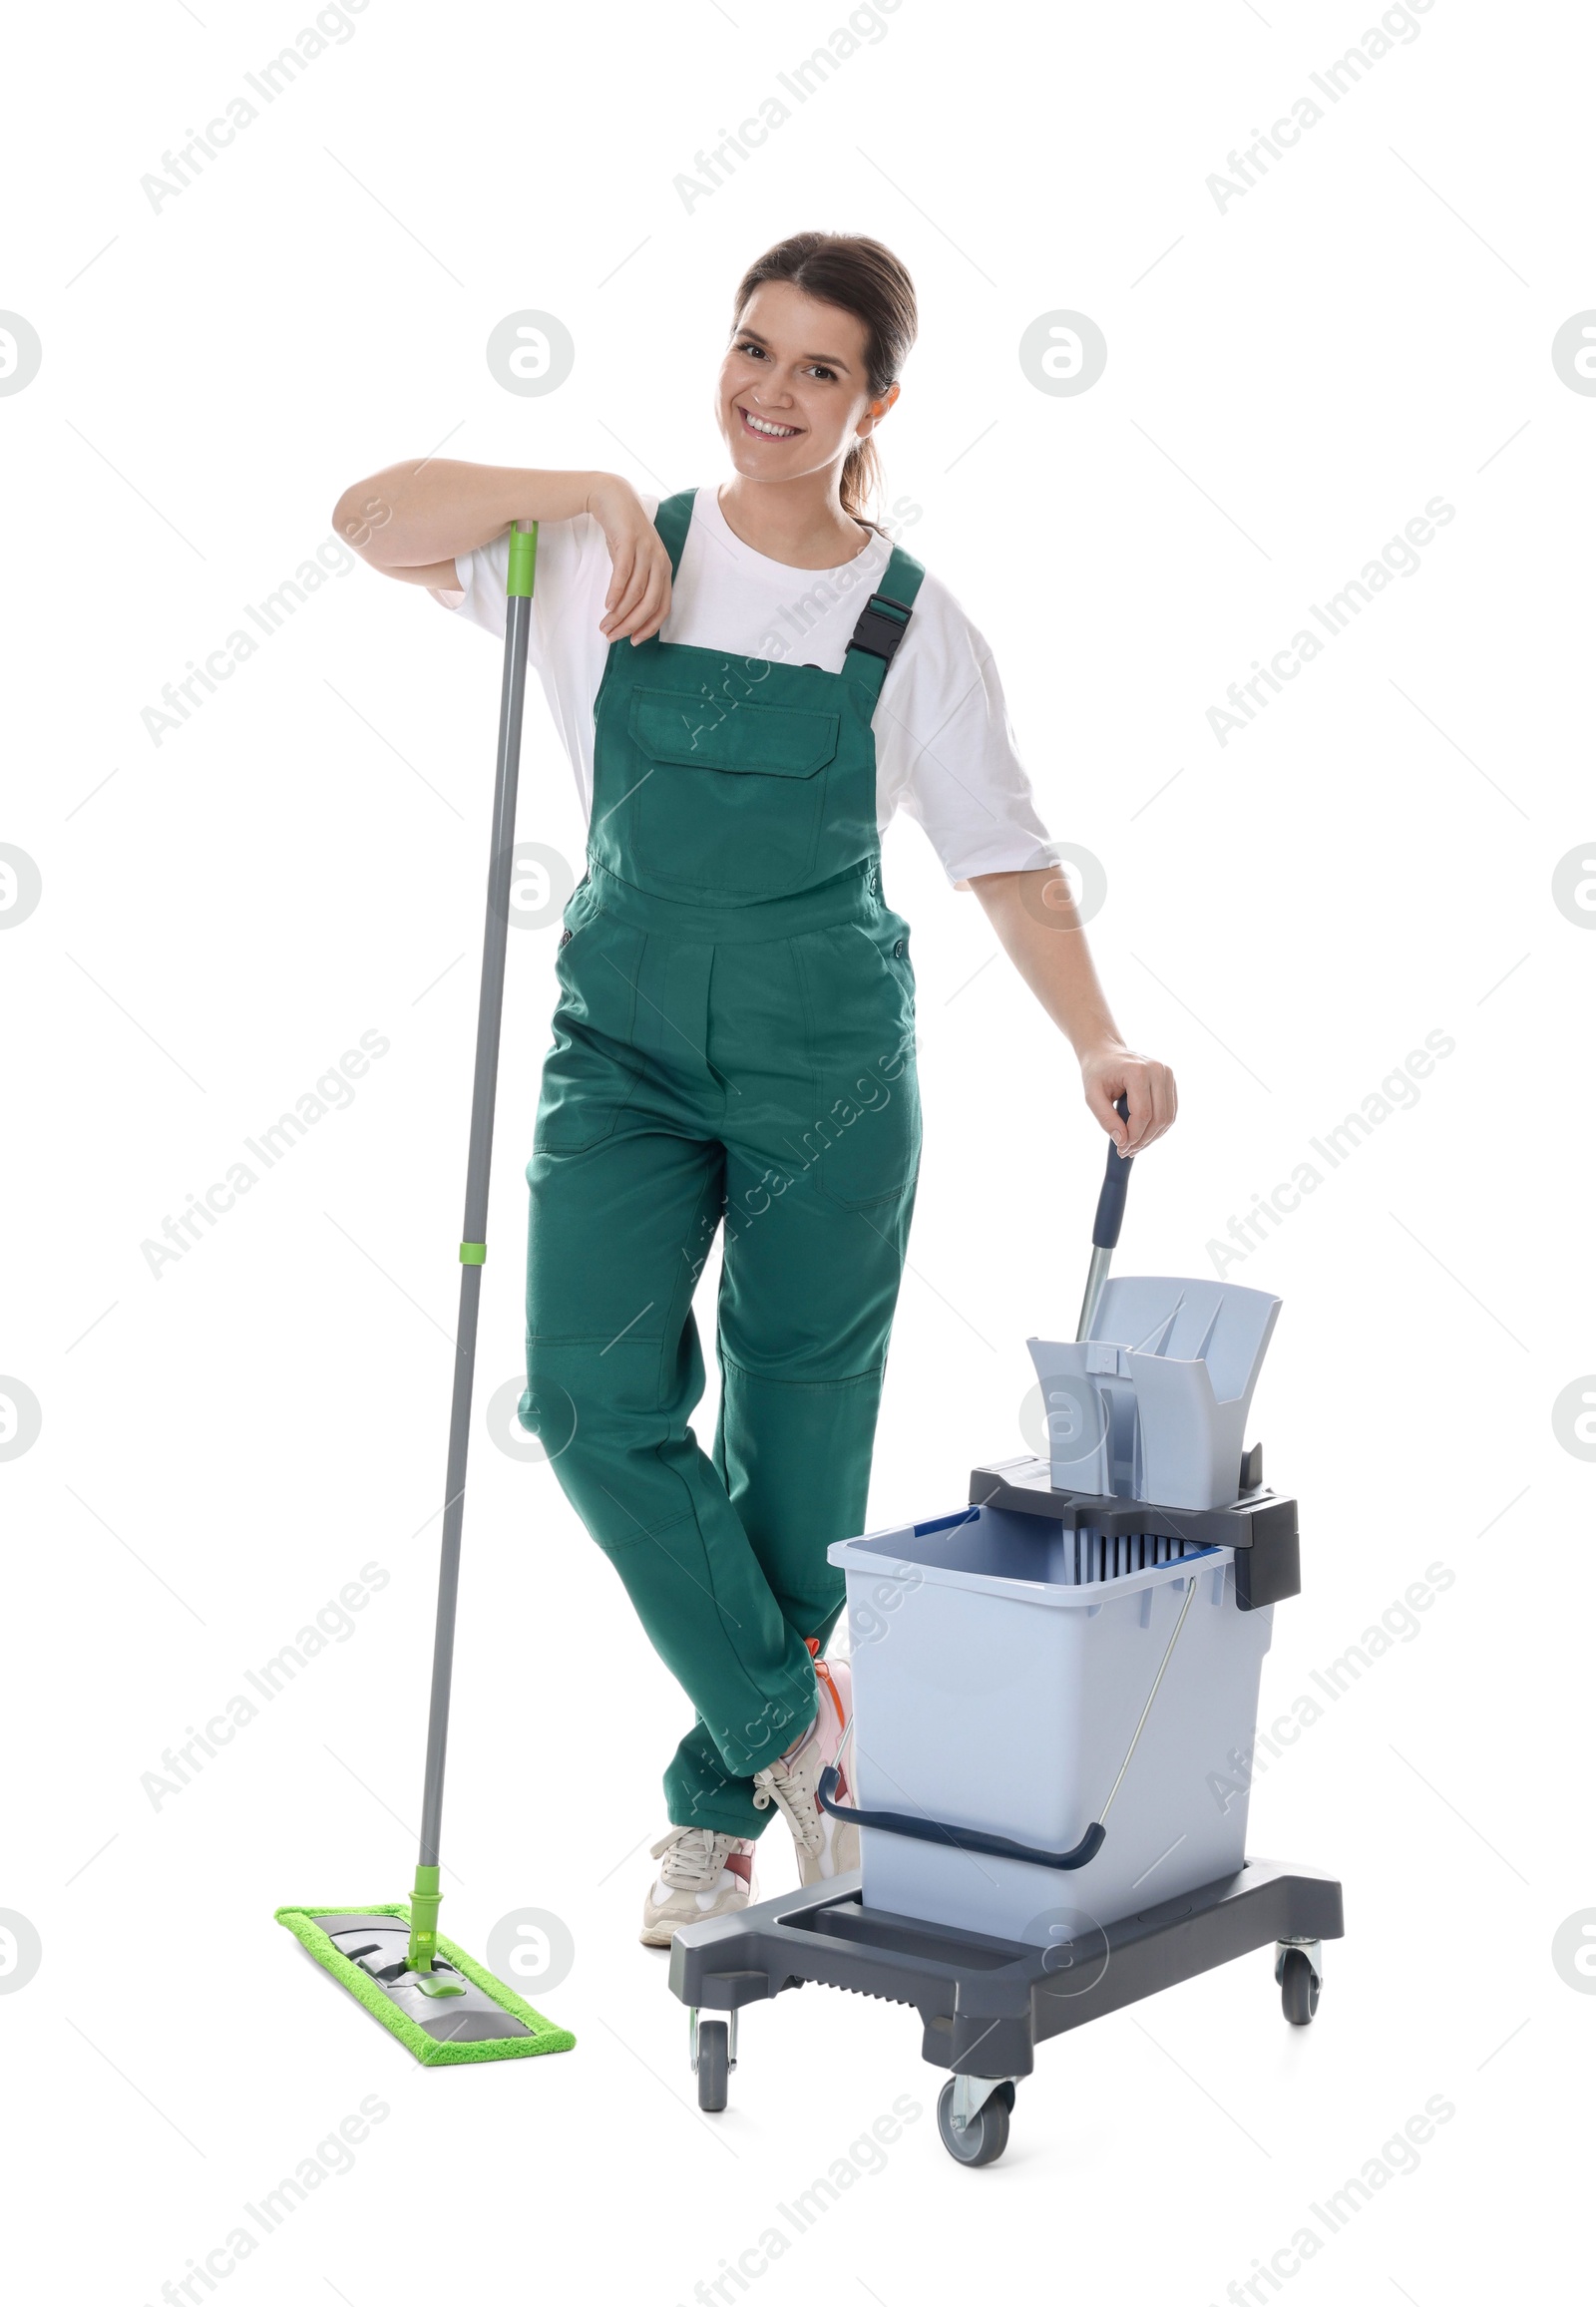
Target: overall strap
(673,520)
(883,623)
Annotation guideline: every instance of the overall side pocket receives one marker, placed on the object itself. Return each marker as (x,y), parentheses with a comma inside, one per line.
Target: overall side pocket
(862,992)
(591,1072)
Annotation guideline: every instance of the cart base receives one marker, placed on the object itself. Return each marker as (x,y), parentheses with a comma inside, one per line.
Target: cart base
(985,2003)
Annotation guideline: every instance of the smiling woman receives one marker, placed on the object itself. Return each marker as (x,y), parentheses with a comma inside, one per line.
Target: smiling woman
(815,400)
(734,1032)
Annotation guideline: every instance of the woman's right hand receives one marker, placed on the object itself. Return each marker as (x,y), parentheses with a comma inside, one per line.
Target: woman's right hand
(639,599)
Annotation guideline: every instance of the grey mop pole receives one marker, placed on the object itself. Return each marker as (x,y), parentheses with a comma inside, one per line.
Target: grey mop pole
(1105,1231)
(426,1898)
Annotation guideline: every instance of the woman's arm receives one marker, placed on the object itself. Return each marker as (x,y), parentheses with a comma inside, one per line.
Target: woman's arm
(1035,920)
(410,520)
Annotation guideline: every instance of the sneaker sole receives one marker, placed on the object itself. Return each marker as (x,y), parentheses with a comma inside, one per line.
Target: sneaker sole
(660,1934)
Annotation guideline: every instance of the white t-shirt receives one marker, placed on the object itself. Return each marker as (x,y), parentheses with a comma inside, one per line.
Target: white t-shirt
(945,751)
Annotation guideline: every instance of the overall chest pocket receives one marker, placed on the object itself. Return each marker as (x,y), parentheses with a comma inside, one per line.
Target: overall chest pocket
(731,796)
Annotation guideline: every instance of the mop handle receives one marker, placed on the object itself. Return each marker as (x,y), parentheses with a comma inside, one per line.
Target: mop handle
(1105,1227)
(473,1248)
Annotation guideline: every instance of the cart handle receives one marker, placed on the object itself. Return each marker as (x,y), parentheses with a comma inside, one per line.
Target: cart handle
(961,1837)
(1115,1185)
(1105,1226)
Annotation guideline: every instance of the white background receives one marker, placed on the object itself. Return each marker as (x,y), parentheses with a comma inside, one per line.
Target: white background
(1289,381)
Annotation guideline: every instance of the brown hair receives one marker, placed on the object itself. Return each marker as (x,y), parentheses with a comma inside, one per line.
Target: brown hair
(866,280)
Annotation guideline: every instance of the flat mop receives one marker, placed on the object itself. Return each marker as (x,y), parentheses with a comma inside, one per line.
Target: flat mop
(445,2008)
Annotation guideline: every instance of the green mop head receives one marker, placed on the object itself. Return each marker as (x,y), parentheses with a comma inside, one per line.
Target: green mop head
(540,2034)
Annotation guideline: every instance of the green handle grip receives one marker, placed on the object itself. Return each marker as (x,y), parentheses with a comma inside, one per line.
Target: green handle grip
(523,561)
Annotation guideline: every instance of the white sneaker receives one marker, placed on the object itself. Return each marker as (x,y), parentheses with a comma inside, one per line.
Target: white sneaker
(826,1845)
(705,1874)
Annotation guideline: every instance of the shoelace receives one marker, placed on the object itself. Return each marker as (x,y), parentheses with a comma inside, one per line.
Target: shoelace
(791,1787)
(693,1856)
(791,1783)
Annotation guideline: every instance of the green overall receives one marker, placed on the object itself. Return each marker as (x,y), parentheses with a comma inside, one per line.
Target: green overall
(733,1044)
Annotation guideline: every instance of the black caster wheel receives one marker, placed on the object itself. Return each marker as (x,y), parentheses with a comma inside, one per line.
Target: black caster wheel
(1299,1989)
(983,2140)
(713,2062)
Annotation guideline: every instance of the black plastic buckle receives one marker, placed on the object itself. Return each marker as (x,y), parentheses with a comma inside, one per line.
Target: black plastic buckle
(880,630)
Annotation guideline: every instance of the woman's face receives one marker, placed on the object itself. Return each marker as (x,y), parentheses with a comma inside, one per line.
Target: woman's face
(794,396)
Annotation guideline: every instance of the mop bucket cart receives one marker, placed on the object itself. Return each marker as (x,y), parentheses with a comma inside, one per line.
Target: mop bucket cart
(1056,1693)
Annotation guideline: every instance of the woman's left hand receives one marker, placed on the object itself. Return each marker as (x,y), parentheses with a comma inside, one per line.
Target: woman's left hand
(1147,1086)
